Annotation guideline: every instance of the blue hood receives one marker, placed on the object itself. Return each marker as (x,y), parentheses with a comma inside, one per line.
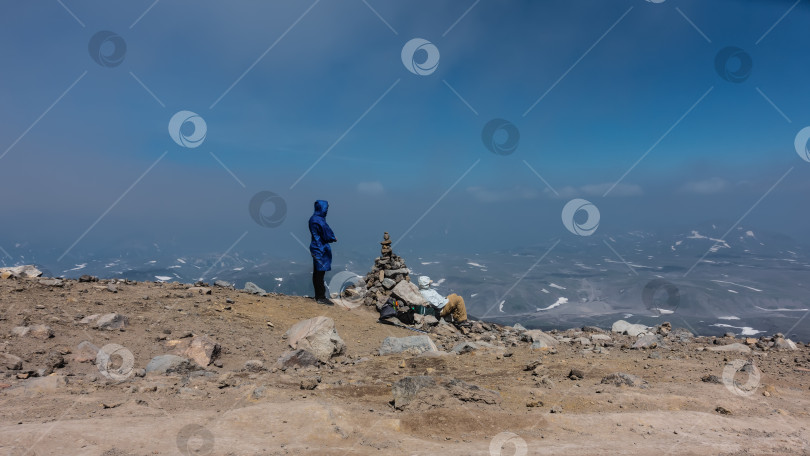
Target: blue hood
(321,207)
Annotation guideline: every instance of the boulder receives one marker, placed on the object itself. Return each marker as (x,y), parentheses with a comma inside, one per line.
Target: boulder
(45,384)
(464,347)
(393,272)
(203,350)
(253,365)
(735,347)
(428,320)
(297,358)
(518,327)
(20,331)
(633,330)
(10,362)
(388,283)
(647,341)
(620,378)
(27,271)
(411,344)
(40,332)
(536,335)
(167,364)
(601,338)
(405,390)
(85,352)
(51,283)
(87,279)
(318,336)
(252,288)
(111,322)
(223,284)
(90,319)
(409,293)
(784,344)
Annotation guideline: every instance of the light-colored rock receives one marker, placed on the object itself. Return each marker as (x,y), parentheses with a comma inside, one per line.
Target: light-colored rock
(583,341)
(633,330)
(406,390)
(252,288)
(5,275)
(601,337)
(253,365)
(518,327)
(47,384)
(90,319)
(203,350)
(536,335)
(111,322)
(318,336)
(26,271)
(409,293)
(620,379)
(647,341)
(166,364)
(784,344)
(735,347)
(388,283)
(51,282)
(393,272)
(40,332)
(10,362)
(223,284)
(427,320)
(20,331)
(410,344)
(85,352)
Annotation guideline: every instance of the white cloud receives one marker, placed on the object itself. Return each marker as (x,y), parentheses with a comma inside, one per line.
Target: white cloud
(371,188)
(705,187)
(486,195)
(596,190)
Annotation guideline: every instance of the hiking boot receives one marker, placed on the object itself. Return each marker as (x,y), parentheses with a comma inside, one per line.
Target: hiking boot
(325,301)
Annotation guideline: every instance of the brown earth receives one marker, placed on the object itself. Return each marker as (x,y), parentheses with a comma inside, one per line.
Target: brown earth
(230,411)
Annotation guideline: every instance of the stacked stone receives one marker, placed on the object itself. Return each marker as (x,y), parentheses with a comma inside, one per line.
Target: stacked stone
(389,270)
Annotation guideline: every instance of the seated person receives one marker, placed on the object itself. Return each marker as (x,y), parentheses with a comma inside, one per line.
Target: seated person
(453,304)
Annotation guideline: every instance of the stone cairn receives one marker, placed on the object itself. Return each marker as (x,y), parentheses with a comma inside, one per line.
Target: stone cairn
(389,270)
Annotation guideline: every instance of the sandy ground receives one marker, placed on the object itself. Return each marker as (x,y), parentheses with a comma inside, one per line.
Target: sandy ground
(229,411)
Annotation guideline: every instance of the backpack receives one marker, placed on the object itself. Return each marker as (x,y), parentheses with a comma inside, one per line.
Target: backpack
(388,310)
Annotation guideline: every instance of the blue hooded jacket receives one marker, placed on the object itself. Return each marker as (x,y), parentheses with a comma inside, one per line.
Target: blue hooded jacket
(321,236)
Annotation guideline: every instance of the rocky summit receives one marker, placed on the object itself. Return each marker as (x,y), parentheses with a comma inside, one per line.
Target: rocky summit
(172,368)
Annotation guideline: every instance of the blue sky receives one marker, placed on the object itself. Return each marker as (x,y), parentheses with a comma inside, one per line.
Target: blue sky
(281,83)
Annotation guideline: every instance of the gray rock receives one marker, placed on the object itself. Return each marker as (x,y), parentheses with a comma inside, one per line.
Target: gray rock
(85,352)
(10,362)
(784,344)
(536,335)
(167,364)
(27,271)
(466,392)
(601,338)
(518,327)
(388,283)
(47,384)
(297,358)
(393,272)
(252,288)
(253,365)
(464,347)
(51,283)
(735,347)
(406,389)
(223,284)
(409,293)
(111,322)
(20,331)
(633,330)
(647,341)
(428,320)
(317,335)
(583,341)
(40,332)
(410,344)
(620,378)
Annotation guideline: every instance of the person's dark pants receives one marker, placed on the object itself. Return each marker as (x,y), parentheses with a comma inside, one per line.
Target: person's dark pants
(318,283)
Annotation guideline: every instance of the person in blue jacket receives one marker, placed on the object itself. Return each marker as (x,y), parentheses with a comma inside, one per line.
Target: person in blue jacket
(321,236)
